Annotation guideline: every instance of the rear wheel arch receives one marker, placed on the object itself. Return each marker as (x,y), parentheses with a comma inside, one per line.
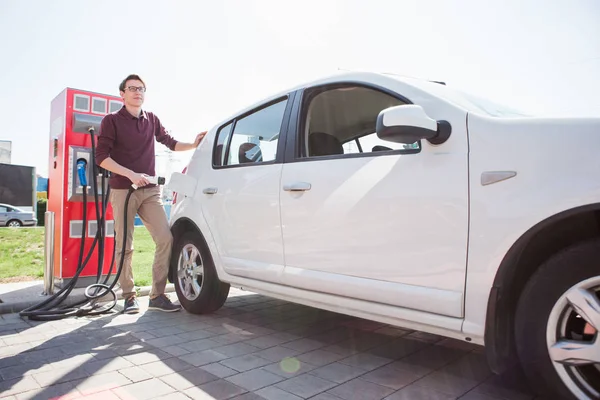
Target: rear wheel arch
(533,248)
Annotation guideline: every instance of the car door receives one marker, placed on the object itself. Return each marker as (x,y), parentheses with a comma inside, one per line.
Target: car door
(3,215)
(373,220)
(240,192)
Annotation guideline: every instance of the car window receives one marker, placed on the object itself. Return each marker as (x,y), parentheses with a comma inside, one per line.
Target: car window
(221,143)
(254,138)
(371,143)
(342,121)
(3,209)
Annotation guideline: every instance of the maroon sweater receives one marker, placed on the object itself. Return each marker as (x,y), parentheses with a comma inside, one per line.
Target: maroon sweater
(130,142)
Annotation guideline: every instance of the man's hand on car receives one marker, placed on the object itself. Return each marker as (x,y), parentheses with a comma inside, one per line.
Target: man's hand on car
(199,138)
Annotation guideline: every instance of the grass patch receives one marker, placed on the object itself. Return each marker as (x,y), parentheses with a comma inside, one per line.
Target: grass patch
(22,255)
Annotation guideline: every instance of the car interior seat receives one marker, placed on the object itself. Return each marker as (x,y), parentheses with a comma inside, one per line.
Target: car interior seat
(381,148)
(324,144)
(249,153)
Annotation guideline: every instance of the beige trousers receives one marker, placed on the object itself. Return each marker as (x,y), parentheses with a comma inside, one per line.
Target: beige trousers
(146,202)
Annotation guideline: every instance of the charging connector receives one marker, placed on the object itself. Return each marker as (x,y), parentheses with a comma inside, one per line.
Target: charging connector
(82,171)
(156,180)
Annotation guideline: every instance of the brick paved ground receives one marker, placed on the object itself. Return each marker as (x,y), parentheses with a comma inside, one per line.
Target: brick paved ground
(253,348)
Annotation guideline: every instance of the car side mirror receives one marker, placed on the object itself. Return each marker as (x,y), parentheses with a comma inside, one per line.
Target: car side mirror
(408,124)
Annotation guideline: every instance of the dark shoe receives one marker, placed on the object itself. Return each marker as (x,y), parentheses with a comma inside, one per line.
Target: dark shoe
(163,303)
(131,306)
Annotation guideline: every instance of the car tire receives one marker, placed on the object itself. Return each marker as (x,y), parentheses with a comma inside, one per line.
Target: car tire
(198,293)
(545,315)
(14,223)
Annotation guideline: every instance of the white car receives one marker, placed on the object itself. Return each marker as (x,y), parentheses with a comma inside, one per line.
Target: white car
(409,203)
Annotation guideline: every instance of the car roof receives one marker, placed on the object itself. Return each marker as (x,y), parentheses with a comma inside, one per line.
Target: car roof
(377,78)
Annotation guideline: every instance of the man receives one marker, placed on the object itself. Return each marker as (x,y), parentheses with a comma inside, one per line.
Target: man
(126,148)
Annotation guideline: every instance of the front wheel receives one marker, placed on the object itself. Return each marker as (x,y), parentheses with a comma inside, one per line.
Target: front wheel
(557,324)
(197,285)
(14,224)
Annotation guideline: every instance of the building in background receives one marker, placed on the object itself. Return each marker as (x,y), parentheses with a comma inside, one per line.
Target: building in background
(5,151)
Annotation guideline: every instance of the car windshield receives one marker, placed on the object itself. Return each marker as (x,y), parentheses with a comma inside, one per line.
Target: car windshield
(465,100)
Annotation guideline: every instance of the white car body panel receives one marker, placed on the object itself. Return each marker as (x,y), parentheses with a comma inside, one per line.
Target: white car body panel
(399,222)
(552,176)
(437,275)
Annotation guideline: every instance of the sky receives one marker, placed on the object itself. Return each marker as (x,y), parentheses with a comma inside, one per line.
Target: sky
(203,59)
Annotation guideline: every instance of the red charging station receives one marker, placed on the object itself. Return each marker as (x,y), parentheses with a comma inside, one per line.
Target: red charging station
(73,113)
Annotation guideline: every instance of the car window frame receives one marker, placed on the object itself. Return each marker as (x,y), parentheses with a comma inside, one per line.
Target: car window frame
(279,156)
(295,137)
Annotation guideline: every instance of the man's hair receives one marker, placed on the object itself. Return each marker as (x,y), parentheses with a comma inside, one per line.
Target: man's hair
(132,76)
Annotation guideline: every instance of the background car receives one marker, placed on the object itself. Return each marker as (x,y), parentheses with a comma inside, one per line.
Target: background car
(409,203)
(14,217)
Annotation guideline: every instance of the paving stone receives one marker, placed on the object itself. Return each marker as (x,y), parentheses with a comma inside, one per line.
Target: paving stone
(218,390)
(479,396)
(413,392)
(391,377)
(325,396)
(398,348)
(107,365)
(277,353)
(289,368)
(61,391)
(236,350)
(366,361)
(305,385)
(135,374)
(447,383)
(338,372)
(265,342)
(169,331)
(166,367)
(511,385)
(104,354)
(359,389)
(175,351)
(18,385)
(245,363)
(153,388)
(174,396)
(255,379)
(303,345)
(273,393)
(107,395)
(320,357)
(101,383)
(203,357)
(147,357)
(188,378)
(199,345)
(59,375)
(472,366)
(219,370)
(248,396)
(195,335)
(166,341)
(434,357)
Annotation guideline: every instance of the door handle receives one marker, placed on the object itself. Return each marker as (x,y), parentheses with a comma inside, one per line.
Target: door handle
(297,187)
(210,190)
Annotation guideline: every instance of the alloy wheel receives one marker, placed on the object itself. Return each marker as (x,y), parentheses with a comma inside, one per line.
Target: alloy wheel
(573,338)
(190,271)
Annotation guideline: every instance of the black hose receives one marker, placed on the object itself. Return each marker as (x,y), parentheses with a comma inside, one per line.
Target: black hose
(48,310)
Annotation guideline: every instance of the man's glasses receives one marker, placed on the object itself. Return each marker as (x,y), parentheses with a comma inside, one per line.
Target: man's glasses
(136,88)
